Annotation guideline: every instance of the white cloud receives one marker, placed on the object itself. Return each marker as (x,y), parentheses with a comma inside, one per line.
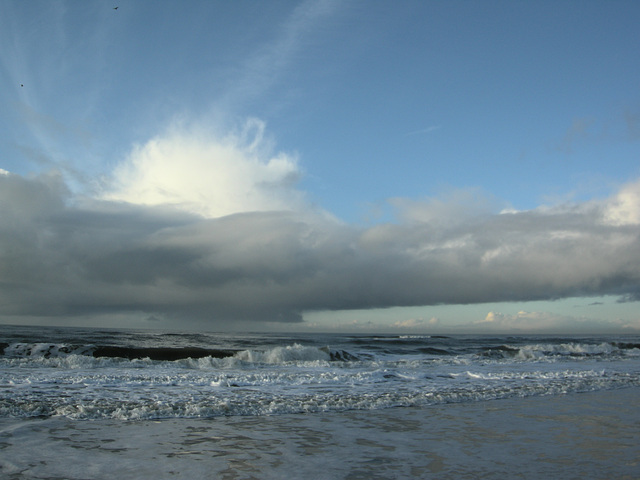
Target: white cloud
(624,208)
(417,323)
(532,322)
(208,174)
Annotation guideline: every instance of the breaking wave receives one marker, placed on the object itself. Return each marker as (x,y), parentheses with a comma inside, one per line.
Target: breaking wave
(130,376)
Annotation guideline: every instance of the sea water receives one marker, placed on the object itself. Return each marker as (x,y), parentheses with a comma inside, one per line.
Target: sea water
(127,375)
(98,403)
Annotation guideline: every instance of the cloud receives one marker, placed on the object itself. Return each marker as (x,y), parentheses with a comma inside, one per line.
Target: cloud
(209,175)
(624,207)
(423,131)
(454,207)
(211,229)
(632,122)
(531,322)
(579,130)
(415,323)
(269,64)
(624,127)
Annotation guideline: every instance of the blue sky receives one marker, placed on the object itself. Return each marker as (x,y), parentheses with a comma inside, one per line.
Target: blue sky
(345,133)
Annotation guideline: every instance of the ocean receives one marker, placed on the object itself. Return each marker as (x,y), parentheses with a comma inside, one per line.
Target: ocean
(228,401)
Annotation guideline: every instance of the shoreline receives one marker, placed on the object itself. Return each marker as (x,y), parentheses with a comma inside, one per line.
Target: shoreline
(578,435)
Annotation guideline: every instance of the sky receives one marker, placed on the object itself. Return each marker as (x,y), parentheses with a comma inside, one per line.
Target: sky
(411,166)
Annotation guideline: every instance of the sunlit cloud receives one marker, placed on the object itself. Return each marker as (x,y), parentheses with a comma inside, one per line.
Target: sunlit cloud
(531,322)
(417,323)
(624,207)
(208,174)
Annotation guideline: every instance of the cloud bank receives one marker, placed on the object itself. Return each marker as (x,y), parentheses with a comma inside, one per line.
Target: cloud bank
(548,322)
(213,229)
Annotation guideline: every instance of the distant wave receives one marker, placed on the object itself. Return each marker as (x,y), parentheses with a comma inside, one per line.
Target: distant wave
(550,350)
(49,350)
(161,353)
(273,355)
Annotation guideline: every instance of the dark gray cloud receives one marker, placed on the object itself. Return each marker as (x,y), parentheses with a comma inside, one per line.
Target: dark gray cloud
(61,255)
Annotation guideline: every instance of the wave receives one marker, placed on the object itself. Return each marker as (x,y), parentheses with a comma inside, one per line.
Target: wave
(161,353)
(275,355)
(436,351)
(87,380)
(535,352)
(49,350)
(551,351)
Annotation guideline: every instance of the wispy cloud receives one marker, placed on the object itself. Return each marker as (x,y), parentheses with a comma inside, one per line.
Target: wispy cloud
(632,121)
(579,130)
(622,127)
(271,62)
(423,131)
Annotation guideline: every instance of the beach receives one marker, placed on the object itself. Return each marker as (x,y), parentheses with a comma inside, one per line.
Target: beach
(578,435)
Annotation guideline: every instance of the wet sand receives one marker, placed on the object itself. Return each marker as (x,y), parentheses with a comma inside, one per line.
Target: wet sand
(587,435)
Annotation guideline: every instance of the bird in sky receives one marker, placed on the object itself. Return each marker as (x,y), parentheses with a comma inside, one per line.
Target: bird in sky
(115,8)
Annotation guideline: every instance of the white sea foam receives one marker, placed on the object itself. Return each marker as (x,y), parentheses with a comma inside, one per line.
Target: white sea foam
(284,355)
(548,351)
(291,375)
(45,350)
